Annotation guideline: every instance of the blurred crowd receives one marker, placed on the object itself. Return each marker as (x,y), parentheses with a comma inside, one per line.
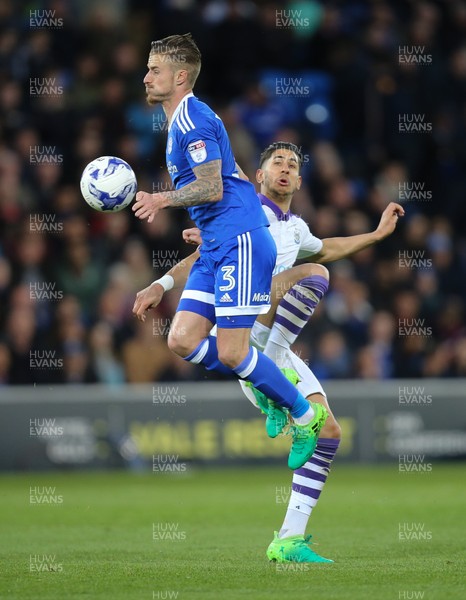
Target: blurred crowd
(332,77)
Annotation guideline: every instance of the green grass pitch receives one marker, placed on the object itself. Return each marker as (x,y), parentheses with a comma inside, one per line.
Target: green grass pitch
(212,528)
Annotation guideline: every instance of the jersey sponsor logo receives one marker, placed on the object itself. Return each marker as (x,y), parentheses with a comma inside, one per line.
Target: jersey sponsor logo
(258,297)
(198,151)
(280,269)
(172,168)
(170,145)
(226,298)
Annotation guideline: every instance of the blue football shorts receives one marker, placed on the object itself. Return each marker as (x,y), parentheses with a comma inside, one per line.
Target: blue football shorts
(230,285)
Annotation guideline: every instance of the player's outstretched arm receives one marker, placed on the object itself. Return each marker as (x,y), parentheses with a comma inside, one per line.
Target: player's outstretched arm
(207,187)
(151,296)
(341,247)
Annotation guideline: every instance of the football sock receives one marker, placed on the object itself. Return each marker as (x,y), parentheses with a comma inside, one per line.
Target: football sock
(307,485)
(261,372)
(293,312)
(207,354)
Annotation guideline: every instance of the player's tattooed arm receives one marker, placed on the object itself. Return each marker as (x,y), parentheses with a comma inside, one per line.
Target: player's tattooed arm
(207,187)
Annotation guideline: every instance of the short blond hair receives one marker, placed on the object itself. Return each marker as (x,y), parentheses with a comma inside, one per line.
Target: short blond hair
(180,50)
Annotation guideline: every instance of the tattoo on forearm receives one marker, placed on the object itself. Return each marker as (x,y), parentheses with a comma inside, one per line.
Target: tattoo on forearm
(208,187)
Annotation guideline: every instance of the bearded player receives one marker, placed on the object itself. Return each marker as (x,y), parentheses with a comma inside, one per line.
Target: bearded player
(229,284)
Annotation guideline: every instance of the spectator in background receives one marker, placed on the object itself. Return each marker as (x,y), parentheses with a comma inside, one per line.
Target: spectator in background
(108,369)
(146,355)
(332,359)
(79,275)
(20,331)
(5,364)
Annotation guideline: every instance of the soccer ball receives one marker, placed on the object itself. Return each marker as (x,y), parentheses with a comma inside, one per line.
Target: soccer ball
(108,184)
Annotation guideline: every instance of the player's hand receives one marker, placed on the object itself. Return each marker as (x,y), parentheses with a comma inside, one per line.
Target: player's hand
(192,236)
(146,206)
(389,219)
(147,298)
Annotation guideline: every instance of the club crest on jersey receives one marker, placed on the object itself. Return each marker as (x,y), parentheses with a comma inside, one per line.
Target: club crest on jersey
(169,145)
(198,151)
(297,236)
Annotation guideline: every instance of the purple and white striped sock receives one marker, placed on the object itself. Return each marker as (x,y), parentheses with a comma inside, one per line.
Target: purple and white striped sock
(308,482)
(293,312)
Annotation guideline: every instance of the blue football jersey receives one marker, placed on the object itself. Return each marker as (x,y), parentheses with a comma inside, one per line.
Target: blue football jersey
(197,135)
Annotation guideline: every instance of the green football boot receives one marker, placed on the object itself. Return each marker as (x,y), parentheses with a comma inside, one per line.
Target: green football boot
(305,437)
(277,416)
(294,549)
(261,399)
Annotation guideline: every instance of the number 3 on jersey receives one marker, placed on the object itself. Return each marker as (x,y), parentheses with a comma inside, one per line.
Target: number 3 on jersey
(227,276)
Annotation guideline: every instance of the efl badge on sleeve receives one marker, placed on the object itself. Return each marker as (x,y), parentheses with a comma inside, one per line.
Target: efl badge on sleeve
(198,151)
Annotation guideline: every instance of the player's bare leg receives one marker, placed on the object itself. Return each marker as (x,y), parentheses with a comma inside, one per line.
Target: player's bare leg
(331,429)
(187,330)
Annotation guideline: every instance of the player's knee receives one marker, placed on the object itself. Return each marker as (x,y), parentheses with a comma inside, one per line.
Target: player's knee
(315,269)
(179,344)
(322,271)
(331,429)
